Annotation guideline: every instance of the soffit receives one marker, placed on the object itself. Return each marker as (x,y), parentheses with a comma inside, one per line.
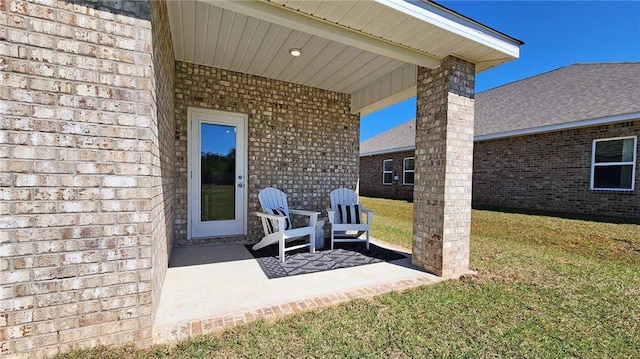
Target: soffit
(208,32)
(209,35)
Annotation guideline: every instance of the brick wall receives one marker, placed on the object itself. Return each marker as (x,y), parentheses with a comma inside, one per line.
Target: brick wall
(371,177)
(302,140)
(81,172)
(163,154)
(550,171)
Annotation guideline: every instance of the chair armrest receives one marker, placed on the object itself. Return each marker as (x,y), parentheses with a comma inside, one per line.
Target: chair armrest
(270,216)
(369,215)
(331,213)
(277,217)
(313,216)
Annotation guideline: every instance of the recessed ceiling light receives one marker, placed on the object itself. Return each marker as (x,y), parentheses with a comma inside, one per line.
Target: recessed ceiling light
(295,52)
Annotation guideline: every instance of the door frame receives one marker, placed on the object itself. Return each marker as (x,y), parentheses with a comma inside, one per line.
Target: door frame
(190,190)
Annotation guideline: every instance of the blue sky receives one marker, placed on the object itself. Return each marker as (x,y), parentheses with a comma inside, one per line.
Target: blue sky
(555,33)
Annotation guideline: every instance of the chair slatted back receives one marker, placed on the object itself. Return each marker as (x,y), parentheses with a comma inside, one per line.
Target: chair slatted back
(273,198)
(343,196)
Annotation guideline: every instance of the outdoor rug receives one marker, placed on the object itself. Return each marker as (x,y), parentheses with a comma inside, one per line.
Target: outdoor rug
(344,255)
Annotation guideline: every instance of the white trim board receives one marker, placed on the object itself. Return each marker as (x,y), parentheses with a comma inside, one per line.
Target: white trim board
(561,126)
(392,150)
(456,24)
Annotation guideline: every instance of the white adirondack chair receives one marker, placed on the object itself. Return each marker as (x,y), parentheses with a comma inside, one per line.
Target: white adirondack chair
(341,229)
(275,225)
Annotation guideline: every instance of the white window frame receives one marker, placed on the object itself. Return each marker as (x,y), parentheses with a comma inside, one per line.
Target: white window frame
(384,171)
(405,170)
(632,162)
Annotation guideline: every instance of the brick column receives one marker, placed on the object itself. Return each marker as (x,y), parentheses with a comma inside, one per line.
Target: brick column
(444,158)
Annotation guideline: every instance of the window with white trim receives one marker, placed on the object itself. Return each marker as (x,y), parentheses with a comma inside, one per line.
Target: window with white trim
(408,171)
(387,171)
(613,163)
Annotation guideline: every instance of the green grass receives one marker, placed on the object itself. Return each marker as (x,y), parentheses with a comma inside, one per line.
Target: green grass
(546,288)
(392,220)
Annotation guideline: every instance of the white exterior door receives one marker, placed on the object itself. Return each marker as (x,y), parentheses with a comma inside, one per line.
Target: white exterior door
(217,197)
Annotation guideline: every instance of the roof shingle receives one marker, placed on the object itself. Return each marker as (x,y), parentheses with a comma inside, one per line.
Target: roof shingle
(401,136)
(573,93)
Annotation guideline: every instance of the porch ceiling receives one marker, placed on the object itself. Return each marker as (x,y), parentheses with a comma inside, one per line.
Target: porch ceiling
(348,46)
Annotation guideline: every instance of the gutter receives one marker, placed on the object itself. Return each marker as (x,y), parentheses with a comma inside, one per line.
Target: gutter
(561,126)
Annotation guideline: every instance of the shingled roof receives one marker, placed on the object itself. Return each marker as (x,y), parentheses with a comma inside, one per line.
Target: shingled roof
(571,95)
(399,138)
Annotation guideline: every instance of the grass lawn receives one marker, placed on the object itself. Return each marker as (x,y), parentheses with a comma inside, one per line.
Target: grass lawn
(392,220)
(546,288)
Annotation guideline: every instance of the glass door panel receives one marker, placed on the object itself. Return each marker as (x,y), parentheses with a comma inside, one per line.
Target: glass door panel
(217,172)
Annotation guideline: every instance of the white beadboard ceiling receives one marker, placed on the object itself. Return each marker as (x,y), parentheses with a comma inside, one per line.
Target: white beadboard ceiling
(210,32)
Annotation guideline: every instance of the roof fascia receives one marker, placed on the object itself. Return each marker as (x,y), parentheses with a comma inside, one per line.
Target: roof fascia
(391,150)
(456,23)
(306,23)
(561,126)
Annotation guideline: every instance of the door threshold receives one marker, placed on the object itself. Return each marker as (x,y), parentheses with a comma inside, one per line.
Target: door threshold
(226,239)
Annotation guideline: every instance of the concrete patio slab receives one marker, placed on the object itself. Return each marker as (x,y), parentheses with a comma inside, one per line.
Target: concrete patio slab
(211,287)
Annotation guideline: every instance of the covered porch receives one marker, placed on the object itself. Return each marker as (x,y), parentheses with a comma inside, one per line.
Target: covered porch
(297,117)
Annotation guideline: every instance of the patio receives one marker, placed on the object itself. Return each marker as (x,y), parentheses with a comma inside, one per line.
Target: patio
(211,287)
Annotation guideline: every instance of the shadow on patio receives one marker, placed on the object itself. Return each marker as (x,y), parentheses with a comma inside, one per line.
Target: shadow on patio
(211,287)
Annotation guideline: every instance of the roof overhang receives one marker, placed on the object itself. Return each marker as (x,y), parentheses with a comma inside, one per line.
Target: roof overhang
(354,47)
(561,126)
(390,150)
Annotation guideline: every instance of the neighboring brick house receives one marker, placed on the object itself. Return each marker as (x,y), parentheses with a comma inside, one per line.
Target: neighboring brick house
(564,141)
(387,163)
(108,109)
